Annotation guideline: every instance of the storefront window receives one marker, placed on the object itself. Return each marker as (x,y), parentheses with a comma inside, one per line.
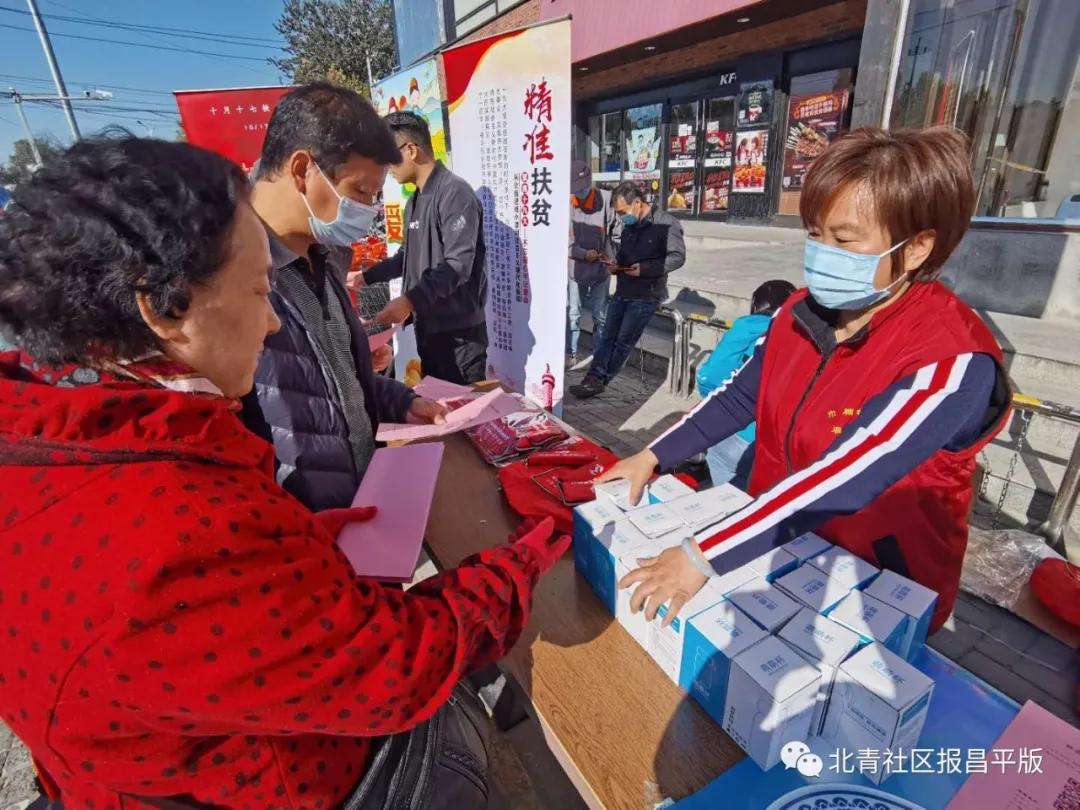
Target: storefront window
(1001,71)
(716,157)
(682,160)
(641,137)
(605,149)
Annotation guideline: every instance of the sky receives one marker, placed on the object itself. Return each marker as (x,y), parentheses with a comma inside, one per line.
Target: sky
(141,78)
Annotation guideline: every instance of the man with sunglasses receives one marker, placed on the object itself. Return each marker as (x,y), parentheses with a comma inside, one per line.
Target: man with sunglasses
(442,260)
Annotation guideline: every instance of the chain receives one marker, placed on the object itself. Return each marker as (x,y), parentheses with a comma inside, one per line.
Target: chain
(1025,423)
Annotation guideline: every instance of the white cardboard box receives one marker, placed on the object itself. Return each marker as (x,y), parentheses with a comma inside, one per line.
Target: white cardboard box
(703,509)
(872,619)
(635,623)
(655,519)
(774,564)
(770,699)
(618,492)
(590,519)
(915,601)
(666,643)
(812,588)
(825,644)
(769,607)
(667,488)
(806,546)
(713,638)
(879,702)
(622,539)
(840,564)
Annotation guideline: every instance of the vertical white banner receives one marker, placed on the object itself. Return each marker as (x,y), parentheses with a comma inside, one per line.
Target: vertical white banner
(509,101)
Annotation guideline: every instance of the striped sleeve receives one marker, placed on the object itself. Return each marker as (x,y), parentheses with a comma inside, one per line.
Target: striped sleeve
(941,406)
(729,408)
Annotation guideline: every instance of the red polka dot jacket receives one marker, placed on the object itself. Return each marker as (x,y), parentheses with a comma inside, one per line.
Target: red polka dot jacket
(175,624)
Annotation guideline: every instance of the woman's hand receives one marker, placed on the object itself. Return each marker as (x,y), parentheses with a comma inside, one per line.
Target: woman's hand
(671,578)
(381,358)
(637,469)
(425,411)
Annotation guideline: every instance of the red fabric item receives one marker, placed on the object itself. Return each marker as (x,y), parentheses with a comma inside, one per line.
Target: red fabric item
(1056,584)
(530,501)
(175,623)
(927,510)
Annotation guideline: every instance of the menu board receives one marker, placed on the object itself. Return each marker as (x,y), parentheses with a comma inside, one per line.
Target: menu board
(751,150)
(717,188)
(755,104)
(717,146)
(814,121)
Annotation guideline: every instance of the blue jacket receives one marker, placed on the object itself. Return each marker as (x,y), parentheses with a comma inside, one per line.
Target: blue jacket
(734,349)
(295,406)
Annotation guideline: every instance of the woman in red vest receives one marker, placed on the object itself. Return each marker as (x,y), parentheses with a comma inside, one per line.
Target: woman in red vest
(873,390)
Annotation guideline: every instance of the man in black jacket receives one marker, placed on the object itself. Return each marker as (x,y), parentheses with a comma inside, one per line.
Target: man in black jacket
(652,246)
(442,260)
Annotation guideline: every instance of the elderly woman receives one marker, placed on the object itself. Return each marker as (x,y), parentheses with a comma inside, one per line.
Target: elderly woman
(873,391)
(175,624)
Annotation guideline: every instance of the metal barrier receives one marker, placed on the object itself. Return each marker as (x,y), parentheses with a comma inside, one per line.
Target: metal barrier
(680,349)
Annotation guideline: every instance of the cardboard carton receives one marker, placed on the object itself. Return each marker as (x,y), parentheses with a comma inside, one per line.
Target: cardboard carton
(915,601)
(703,509)
(872,619)
(806,546)
(713,638)
(849,569)
(769,607)
(667,488)
(774,564)
(812,588)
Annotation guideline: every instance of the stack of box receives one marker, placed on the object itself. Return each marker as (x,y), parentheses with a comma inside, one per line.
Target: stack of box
(802,641)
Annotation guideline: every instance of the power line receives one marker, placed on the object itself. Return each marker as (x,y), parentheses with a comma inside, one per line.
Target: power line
(139,44)
(105,85)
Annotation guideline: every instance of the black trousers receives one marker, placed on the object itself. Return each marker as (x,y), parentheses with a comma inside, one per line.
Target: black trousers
(459,356)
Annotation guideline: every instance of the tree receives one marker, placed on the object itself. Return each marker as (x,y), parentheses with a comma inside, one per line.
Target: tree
(331,40)
(21,162)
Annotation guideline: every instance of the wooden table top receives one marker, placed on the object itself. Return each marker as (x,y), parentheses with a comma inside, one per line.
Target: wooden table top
(625,734)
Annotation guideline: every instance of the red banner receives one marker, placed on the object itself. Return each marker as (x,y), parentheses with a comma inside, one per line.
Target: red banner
(229,122)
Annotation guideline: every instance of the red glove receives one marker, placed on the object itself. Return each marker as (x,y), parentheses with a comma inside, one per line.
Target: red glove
(542,540)
(334,520)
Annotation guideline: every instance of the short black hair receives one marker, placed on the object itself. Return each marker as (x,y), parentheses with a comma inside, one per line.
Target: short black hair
(770,296)
(109,217)
(413,127)
(628,191)
(333,123)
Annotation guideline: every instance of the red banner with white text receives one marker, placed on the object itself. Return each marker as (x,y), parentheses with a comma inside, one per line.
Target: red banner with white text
(230,122)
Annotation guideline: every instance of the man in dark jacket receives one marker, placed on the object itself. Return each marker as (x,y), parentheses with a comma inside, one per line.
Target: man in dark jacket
(442,261)
(593,240)
(316,397)
(651,247)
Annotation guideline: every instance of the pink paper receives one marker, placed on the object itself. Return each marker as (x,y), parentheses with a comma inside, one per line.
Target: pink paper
(400,482)
(1020,787)
(434,388)
(382,338)
(490,406)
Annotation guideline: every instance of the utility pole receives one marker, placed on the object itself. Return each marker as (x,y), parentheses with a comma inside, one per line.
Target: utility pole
(370,78)
(17,101)
(61,90)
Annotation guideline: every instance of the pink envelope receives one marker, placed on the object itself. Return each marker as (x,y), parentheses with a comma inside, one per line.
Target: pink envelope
(400,482)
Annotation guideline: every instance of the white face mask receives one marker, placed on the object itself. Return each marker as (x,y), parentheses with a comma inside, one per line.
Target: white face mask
(352,222)
(844,279)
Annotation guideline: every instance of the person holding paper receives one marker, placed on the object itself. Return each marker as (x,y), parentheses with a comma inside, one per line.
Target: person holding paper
(316,396)
(873,390)
(188,633)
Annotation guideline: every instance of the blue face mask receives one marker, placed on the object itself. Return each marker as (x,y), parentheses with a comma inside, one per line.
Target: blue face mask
(628,219)
(843,279)
(351,224)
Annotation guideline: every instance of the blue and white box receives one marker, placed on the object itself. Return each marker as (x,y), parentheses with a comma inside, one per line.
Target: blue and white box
(713,638)
(666,643)
(915,601)
(812,588)
(774,564)
(668,488)
(872,619)
(655,519)
(768,606)
(591,519)
(703,509)
(622,539)
(826,645)
(878,703)
(770,701)
(807,546)
(840,564)
(618,492)
(635,623)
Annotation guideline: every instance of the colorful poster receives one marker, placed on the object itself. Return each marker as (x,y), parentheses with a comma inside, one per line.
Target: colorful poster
(643,154)
(509,103)
(755,104)
(230,122)
(717,146)
(813,122)
(717,188)
(751,150)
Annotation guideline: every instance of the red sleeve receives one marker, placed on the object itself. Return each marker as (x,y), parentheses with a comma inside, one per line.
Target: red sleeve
(260,625)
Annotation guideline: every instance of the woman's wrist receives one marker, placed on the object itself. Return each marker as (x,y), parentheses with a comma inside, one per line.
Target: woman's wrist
(701,563)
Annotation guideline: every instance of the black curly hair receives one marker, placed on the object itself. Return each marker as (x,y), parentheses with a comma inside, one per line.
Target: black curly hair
(109,217)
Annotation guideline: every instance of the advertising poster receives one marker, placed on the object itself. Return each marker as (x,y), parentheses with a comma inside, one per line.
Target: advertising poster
(755,104)
(682,160)
(813,122)
(717,146)
(717,188)
(509,103)
(230,122)
(643,153)
(751,149)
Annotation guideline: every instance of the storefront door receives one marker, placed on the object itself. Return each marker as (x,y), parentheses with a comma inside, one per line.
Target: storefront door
(681,180)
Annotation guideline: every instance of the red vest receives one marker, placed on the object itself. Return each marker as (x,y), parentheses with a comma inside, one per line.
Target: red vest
(921,521)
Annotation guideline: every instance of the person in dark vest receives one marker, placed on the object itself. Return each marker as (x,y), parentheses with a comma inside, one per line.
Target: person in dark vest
(873,390)
(316,397)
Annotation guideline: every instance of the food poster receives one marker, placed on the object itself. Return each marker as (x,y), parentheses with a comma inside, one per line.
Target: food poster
(717,146)
(751,152)
(755,104)
(717,188)
(643,154)
(813,122)
(682,163)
